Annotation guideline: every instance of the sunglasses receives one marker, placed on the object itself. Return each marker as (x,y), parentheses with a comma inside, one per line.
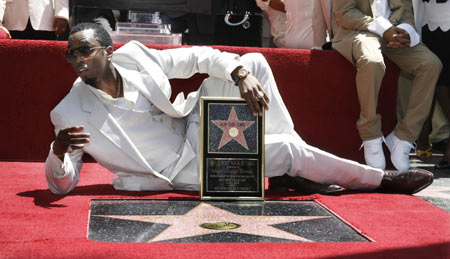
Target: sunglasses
(83,51)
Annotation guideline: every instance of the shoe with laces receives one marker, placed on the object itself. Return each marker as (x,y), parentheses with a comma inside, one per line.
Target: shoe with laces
(373,153)
(399,151)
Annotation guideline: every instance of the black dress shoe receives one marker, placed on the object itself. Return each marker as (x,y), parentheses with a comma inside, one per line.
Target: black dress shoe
(407,182)
(285,182)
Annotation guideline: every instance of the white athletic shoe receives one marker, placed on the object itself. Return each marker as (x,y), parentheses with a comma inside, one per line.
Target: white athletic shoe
(399,151)
(373,153)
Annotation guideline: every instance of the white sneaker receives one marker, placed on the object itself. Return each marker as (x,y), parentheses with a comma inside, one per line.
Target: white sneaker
(373,153)
(399,151)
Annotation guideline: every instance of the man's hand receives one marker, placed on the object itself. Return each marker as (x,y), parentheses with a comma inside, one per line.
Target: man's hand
(249,88)
(72,137)
(396,38)
(60,26)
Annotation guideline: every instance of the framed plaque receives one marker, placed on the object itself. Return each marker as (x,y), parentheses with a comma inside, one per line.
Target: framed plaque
(231,150)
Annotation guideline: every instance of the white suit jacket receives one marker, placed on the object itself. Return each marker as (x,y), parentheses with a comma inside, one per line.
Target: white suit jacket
(149,70)
(14,14)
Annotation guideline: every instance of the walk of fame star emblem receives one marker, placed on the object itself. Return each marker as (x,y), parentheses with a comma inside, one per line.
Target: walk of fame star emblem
(233,129)
(212,222)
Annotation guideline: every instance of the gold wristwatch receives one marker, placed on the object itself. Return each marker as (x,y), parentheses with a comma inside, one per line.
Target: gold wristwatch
(242,73)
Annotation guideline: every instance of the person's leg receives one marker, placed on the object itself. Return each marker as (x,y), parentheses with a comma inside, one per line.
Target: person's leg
(423,150)
(403,91)
(438,40)
(423,141)
(286,152)
(425,67)
(443,98)
(370,67)
(440,126)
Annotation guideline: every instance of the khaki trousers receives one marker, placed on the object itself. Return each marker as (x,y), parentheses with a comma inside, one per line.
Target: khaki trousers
(440,124)
(418,61)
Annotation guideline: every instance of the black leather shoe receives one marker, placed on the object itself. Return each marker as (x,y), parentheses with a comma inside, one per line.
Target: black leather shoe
(408,182)
(285,182)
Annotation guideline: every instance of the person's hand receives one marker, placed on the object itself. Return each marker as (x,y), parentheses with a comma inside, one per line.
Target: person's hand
(72,137)
(4,33)
(253,93)
(60,26)
(396,38)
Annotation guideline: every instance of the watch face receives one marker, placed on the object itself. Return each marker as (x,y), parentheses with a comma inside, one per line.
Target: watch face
(242,73)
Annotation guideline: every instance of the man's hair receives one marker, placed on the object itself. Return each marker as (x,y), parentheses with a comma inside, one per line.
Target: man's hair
(101,35)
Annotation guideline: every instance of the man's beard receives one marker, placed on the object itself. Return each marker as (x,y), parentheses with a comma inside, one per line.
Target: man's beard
(90,81)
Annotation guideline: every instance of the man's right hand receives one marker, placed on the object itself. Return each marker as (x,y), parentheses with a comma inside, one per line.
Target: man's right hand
(396,38)
(72,137)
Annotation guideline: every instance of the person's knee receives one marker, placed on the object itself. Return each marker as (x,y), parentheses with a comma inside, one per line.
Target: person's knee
(433,63)
(255,61)
(254,56)
(373,63)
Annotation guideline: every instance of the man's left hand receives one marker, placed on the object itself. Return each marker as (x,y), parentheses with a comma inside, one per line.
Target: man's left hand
(253,93)
(60,26)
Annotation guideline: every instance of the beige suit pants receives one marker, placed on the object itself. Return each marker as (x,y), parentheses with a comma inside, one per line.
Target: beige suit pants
(440,124)
(419,61)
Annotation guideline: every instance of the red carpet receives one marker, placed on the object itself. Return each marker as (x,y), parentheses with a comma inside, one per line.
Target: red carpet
(37,224)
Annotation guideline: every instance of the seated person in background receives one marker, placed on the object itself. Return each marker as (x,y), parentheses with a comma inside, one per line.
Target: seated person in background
(37,19)
(366,32)
(119,112)
(307,22)
(299,24)
(277,17)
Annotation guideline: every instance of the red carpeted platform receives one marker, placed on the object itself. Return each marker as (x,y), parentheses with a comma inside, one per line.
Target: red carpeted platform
(37,224)
(317,86)
(318,89)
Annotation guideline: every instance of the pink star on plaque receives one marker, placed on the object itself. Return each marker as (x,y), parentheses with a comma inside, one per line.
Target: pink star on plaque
(233,128)
(191,224)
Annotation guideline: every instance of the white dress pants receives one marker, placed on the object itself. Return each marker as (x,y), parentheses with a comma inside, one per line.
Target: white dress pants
(285,151)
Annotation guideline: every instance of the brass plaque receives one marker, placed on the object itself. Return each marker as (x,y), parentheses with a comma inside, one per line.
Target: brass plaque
(220,225)
(232,150)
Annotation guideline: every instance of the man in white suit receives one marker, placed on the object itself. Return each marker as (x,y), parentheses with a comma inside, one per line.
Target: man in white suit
(119,112)
(34,19)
